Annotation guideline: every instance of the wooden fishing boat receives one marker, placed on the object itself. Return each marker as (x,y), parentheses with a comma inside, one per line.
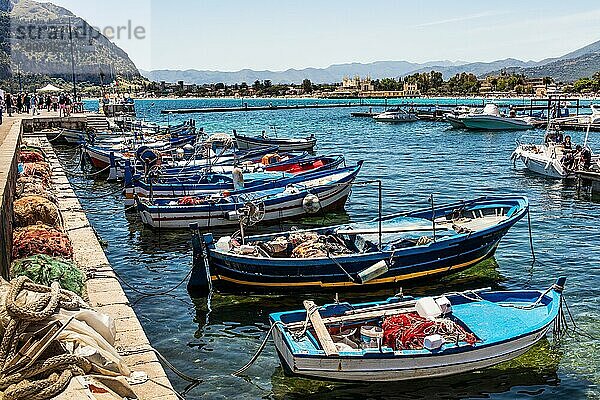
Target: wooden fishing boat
(419,244)
(304,195)
(404,338)
(203,182)
(284,144)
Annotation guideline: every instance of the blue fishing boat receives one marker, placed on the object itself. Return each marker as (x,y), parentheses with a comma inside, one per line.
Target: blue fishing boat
(284,144)
(419,244)
(301,195)
(403,338)
(199,182)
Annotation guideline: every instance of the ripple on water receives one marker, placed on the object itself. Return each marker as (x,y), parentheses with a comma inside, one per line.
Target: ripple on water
(414,160)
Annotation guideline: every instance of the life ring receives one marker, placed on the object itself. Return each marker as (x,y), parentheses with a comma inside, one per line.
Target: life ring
(311,204)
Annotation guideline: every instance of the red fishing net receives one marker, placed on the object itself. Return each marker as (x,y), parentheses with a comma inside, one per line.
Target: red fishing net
(408,331)
(190,201)
(41,239)
(30,156)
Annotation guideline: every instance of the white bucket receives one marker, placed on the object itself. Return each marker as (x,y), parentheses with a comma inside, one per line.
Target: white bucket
(371,336)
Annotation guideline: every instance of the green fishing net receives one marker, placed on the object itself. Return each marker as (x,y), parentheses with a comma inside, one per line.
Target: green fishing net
(44,270)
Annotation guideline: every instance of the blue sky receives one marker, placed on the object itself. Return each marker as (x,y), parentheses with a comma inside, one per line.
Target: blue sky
(276,35)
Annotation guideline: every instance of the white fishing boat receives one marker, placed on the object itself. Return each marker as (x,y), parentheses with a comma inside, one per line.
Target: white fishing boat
(550,158)
(405,338)
(491,119)
(396,115)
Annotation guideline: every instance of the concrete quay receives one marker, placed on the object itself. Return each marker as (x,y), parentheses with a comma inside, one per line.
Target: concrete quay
(103,291)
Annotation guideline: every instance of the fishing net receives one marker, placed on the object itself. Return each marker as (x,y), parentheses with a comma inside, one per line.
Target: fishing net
(322,246)
(30,156)
(44,270)
(31,210)
(38,169)
(408,331)
(41,239)
(32,186)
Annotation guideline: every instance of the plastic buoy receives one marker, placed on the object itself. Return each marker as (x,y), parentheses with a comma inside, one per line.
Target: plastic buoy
(311,204)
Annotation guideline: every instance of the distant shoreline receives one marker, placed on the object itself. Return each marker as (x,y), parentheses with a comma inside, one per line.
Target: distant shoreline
(343,100)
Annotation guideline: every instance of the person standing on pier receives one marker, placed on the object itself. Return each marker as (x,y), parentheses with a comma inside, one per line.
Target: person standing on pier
(19,103)
(33,105)
(1,104)
(8,103)
(27,103)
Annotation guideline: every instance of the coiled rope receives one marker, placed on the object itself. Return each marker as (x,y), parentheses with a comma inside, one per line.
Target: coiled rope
(43,379)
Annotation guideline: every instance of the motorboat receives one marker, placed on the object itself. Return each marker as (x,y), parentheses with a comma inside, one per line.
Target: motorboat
(551,158)
(396,115)
(454,117)
(491,119)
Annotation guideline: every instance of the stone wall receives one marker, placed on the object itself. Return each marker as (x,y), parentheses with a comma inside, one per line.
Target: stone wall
(8,180)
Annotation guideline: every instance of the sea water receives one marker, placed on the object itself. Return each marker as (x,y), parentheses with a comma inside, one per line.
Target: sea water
(211,339)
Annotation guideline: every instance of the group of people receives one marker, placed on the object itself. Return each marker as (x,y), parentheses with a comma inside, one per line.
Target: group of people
(578,158)
(24,103)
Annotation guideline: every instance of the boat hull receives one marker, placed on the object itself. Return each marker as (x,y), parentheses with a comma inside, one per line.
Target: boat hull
(331,199)
(399,368)
(493,123)
(233,272)
(248,143)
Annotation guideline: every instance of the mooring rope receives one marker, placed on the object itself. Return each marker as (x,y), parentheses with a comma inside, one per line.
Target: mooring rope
(258,352)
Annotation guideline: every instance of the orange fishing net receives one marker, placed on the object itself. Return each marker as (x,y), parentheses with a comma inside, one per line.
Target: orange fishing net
(41,239)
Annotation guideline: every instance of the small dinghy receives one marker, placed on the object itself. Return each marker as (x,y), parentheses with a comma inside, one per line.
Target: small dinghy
(416,245)
(404,338)
(284,144)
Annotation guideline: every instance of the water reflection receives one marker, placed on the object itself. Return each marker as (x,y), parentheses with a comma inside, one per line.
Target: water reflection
(525,375)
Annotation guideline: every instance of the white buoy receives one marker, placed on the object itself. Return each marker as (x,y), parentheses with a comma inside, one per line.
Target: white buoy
(311,204)
(238,179)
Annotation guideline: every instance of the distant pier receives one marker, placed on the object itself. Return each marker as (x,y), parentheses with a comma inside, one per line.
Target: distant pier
(264,108)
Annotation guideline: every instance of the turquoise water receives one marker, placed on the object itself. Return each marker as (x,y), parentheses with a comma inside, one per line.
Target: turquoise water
(414,161)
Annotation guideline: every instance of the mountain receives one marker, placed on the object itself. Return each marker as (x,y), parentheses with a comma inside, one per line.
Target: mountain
(38,42)
(576,64)
(333,73)
(567,70)
(581,63)
(477,68)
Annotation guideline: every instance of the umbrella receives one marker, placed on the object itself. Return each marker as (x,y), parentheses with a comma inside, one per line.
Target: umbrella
(50,88)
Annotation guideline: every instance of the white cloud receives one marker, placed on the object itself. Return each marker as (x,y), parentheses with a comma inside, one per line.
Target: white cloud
(461,18)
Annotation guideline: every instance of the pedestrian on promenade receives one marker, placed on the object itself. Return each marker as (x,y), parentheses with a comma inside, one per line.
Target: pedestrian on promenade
(1,104)
(27,103)
(33,105)
(19,103)
(8,103)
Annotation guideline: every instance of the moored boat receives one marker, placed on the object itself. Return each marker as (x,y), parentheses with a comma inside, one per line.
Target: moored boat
(308,194)
(419,244)
(552,158)
(202,182)
(405,338)
(396,115)
(491,119)
(284,144)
